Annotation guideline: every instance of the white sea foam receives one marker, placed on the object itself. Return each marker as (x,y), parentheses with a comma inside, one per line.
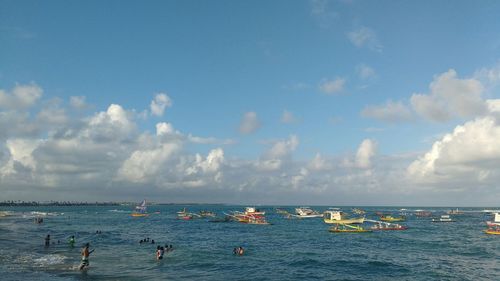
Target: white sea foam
(51,259)
(118,211)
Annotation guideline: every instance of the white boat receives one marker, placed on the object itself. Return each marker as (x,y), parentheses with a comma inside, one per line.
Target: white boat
(443,218)
(336,216)
(140,210)
(306,212)
(455,212)
(495,221)
(253,211)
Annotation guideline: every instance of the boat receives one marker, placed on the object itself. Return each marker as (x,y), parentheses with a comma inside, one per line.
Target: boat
(495,221)
(254,211)
(389,218)
(443,218)
(455,212)
(281,211)
(140,210)
(207,214)
(346,228)
(423,214)
(249,216)
(494,230)
(306,212)
(338,217)
(382,225)
(358,211)
(185,215)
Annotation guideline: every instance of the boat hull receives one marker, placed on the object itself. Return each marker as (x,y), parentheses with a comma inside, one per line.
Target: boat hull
(492,232)
(333,230)
(139,215)
(345,221)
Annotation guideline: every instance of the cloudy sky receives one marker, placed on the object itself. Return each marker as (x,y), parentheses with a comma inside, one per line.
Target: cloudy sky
(270,102)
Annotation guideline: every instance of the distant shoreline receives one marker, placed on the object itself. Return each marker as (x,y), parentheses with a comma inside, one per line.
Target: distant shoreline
(57,203)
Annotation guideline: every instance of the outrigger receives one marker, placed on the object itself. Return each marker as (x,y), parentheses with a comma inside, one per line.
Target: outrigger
(347,228)
(337,217)
(382,225)
(389,218)
(185,215)
(494,230)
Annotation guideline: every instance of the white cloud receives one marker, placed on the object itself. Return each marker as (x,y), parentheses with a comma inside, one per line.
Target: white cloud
(159,103)
(212,163)
(21,97)
(144,164)
(318,163)
(280,153)
(78,102)
(389,112)
(287,117)
(449,97)
(471,153)
(365,36)
(365,72)
(249,123)
(164,129)
(114,123)
(332,86)
(367,149)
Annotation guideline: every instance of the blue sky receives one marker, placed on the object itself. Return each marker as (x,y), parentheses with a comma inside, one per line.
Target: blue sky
(343,71)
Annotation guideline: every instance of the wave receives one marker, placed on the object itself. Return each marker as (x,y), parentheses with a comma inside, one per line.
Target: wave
(51,259)
(118,211)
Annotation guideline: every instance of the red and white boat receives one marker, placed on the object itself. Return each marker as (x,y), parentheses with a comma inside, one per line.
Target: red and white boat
(495,221)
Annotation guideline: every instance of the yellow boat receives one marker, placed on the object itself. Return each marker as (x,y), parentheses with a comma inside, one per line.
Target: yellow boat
(494,230)
(338,217)
(139,215)
(392,219)
(140,210)
(345,228)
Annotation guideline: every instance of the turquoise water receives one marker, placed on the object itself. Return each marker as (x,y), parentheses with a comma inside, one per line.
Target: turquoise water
(287,250)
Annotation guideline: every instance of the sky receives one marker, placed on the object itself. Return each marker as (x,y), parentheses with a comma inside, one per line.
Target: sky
(251,102)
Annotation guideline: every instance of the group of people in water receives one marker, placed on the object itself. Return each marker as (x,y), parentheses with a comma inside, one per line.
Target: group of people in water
(160,251)
(239,251)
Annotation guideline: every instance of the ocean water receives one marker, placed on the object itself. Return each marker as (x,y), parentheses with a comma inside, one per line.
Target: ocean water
(286,250)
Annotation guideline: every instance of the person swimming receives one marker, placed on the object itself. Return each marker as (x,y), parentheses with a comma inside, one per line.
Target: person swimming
(159,252)
(241,251)
(72,241)
(85,256)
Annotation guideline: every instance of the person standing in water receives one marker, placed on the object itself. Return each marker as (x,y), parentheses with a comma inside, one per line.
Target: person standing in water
(85,256)
(47,240)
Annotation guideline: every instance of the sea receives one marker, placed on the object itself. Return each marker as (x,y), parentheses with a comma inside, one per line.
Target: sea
(288,249)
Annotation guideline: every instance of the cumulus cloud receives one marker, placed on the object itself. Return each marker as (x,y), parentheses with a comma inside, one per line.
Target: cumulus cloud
(280,152)
(469,153)
(318,163)
(106,156)
(20,97)
(159,103)
(332,86)
(365,37)
(366,151)
(389,112)
(450,97)
(249,123)
(164,129)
